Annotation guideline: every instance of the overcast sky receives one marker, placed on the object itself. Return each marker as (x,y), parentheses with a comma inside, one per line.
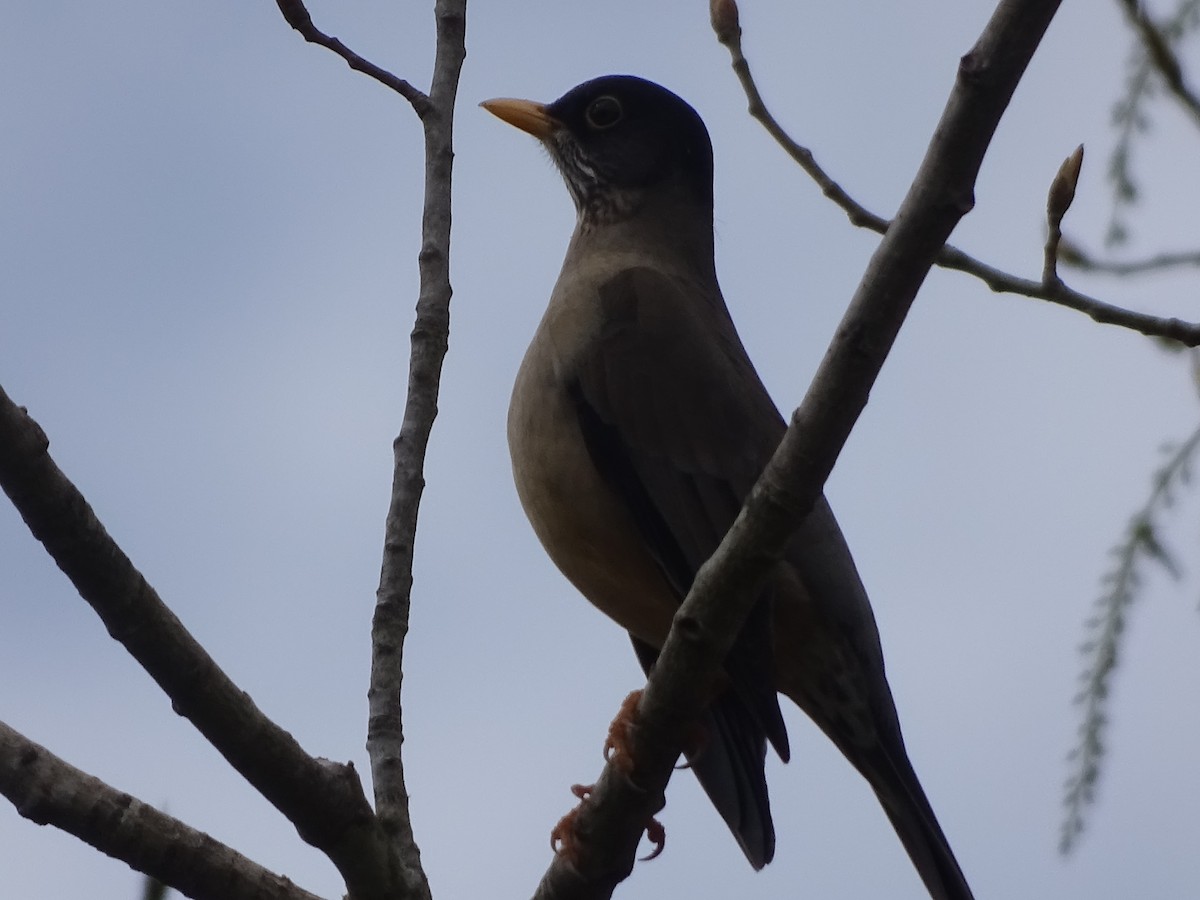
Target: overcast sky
(208,237)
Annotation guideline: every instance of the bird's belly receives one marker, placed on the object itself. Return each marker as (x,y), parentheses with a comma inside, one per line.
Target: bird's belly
(585,529)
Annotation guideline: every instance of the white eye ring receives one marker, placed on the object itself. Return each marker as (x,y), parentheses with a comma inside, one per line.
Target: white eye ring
(604,112)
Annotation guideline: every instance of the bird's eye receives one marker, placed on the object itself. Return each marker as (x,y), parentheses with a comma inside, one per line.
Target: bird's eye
(605,112)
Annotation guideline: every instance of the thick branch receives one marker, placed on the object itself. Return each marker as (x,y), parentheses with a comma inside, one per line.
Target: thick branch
(950,257)
(323,800)
(298,17)
(725,587)
(49,791)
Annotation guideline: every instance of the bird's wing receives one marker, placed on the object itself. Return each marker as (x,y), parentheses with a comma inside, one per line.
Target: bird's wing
(679,425)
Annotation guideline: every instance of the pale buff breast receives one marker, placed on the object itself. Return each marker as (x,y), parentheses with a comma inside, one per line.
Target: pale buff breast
(585,529)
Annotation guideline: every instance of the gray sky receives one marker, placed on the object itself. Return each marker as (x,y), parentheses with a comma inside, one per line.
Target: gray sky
(208,234)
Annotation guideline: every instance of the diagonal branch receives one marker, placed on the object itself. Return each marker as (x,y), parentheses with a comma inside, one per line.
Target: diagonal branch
(299,18)
(950,257)
(49,791)
(322,799)
(724,589)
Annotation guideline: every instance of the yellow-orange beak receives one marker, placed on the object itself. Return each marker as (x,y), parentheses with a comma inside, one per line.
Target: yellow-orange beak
(524,114)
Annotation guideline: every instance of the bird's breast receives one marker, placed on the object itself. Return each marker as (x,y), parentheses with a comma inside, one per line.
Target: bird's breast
(583,525)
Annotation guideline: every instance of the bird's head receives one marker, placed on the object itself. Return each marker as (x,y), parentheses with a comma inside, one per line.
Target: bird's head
(617,140)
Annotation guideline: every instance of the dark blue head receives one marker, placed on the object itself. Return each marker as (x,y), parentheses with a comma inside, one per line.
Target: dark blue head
(630,134)
(617,138)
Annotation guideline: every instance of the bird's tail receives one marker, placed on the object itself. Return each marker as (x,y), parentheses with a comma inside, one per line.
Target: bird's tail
(875,747)
(899,792)
(729,765)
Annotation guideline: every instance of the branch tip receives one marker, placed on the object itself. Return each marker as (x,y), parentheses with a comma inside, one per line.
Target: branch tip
(724,17)
(1062,188)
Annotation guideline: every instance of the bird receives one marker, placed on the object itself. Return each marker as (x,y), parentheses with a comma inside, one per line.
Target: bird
(637,427)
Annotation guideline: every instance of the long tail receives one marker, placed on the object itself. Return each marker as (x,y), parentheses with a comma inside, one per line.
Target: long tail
(872,743)
(831,666)
(899,792)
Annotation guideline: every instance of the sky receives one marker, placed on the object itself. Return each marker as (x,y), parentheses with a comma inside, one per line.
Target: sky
(208,240)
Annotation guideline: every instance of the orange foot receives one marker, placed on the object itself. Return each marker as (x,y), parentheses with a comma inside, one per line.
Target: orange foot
(565,841)
(617,744)
(657,836)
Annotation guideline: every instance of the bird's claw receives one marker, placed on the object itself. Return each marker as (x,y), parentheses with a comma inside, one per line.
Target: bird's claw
(617,744)
(563,839)
(657,835)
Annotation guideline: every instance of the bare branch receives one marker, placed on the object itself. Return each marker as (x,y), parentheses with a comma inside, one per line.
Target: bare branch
(324,800)
(298,17)
(429,341)
(1186,333)
(950,257)
(1153,55)
(49,791)
(1071,254)
(1158,42)
(857,213)
(724,589)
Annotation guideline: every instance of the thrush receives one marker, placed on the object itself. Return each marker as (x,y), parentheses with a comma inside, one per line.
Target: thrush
(637,427)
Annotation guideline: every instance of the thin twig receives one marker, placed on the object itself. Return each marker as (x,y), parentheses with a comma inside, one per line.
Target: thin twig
(429,342)
(298,17)
(950,257)
(1158,42)
(49,791)
(1153,56)
(1186,333)
(858,214)
(1071,254)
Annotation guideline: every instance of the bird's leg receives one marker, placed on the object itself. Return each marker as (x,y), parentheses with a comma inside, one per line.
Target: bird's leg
(563,838)
(618,751)
(565,841)
(618,744)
